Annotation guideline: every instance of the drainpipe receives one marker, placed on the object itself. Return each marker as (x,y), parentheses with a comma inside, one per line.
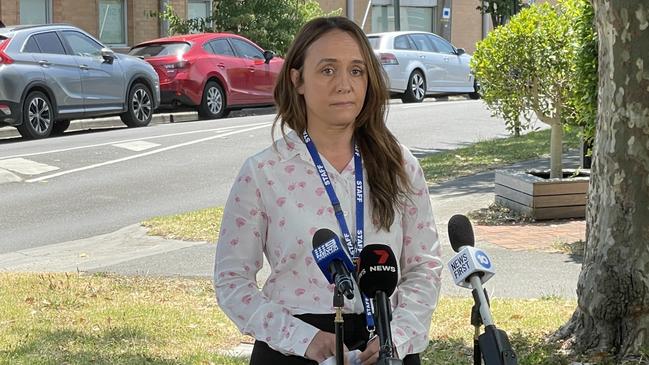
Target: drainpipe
(164,24)
(397,15)
(350,10)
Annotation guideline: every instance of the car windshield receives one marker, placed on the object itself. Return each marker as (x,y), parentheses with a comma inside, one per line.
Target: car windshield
(374,42)
(160,49)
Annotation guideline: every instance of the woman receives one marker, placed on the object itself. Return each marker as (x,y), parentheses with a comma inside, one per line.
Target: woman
(332,96)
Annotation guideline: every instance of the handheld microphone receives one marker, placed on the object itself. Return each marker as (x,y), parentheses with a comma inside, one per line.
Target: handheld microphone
(334,261)
(377,279)
(470,269)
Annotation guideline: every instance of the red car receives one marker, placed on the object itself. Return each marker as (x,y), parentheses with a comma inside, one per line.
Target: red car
(212,72)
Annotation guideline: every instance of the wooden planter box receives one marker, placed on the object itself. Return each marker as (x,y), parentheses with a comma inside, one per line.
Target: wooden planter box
(534,194)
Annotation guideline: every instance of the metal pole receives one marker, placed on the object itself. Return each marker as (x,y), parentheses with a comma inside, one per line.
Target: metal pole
(350,10)
(397,14)
(164,24)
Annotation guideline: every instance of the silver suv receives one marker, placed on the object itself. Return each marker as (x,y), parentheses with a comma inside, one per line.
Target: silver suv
(50,74)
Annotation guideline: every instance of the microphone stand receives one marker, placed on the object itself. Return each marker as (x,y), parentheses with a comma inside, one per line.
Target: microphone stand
(493,344)
(339,324)
(383,316)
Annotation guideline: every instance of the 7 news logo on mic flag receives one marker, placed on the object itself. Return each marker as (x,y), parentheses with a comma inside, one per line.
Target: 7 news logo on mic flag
(470,261)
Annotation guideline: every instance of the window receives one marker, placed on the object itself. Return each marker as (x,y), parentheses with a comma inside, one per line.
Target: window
(112,24)
(246,50)
(442,45)
(199,9)
(420,18)
(49,43)
(31,46)
(423,43)
(161,49)
(82,45)
(221,47)
(403,42)
(35,11)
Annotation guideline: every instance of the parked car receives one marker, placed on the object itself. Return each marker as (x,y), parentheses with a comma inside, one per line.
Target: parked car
(50,74)
(419,64)
(212,72)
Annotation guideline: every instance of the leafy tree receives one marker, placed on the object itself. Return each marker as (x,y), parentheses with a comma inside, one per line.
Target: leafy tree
(584,69)
(270,24)
(500,10)
(524,68)
(613,288)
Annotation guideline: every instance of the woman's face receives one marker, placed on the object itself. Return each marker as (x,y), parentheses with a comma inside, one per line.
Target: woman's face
(334,80)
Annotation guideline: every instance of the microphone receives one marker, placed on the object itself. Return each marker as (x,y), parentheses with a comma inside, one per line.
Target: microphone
(334,261)
(471,268)
(469,262)
(377,279)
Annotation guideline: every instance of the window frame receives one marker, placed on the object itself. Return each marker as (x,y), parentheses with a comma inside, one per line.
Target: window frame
(48,9)
(125,7)
(208,2)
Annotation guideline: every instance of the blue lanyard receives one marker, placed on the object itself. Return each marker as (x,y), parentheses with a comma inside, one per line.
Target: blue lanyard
(326,182)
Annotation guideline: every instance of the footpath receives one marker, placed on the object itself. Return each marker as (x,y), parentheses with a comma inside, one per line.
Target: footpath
(525,257)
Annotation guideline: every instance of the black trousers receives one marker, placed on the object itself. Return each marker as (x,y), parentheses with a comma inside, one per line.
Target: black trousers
(355,337)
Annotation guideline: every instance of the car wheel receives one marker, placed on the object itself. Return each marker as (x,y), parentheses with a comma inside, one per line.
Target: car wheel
(475,94)
(60,126)
(416,90)
(38,116)
(140,107)
(213,104)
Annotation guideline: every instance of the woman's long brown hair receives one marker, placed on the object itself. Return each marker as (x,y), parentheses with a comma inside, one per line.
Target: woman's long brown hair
(382,157)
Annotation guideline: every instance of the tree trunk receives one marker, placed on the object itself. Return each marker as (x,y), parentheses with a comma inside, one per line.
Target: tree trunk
(613,288)
(556,150)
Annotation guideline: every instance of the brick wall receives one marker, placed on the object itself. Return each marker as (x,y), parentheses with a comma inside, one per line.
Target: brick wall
(85,17)
(141,25)
(9,12)
(466,25)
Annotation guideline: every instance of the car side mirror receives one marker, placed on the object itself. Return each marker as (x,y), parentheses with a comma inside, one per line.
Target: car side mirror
(460,51)
(108,55)
(268,55)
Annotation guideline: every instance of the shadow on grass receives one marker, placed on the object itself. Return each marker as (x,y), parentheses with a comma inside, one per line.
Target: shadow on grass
(125,345)
(530,350)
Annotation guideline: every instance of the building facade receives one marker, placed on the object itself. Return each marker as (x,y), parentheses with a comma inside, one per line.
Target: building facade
(123,23)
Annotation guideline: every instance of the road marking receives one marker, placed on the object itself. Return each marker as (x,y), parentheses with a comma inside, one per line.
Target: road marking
(137,146)
(7,177)
(220,129)
(145,153)
(26,167)
(436,103)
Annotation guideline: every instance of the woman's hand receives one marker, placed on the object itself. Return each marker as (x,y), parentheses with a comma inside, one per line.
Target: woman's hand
(371,353)
(322,347)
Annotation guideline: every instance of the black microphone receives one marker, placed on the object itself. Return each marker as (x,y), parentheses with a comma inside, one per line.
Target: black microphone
(377,279)
(334,261)
(470,268)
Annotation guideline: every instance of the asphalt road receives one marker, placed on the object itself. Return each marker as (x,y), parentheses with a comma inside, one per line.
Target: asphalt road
(87,183)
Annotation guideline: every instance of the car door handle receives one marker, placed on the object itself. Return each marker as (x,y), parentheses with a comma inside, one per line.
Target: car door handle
(252,69)
(83,67)
(422,56)
(221,65)
(44,63)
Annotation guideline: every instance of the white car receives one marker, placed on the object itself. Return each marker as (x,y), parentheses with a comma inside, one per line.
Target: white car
(419,64)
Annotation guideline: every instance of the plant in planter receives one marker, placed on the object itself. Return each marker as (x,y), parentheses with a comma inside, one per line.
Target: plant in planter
(527,68)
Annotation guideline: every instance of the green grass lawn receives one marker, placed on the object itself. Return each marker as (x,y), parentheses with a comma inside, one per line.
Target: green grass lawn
(490,154)
(100,319)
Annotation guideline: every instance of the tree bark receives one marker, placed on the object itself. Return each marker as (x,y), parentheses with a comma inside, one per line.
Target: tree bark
(613,289)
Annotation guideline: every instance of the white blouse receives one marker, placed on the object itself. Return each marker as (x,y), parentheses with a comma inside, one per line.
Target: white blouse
(275,206)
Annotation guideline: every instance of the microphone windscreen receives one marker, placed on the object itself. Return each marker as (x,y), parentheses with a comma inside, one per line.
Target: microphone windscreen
(460,232)
(377,270)
(321,236)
